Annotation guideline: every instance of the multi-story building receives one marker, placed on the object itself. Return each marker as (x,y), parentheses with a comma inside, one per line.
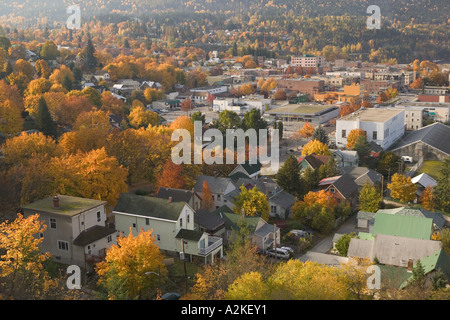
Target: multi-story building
(302,85)
(307,61)
(382,125)
(77,232)
(416,112)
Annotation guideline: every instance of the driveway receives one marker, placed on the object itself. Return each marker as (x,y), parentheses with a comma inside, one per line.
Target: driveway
(327,243)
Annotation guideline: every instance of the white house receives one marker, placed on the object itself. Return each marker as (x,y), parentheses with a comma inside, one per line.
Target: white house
(383,126)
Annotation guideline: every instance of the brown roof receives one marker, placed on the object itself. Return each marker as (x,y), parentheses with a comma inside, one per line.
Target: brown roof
(315,161)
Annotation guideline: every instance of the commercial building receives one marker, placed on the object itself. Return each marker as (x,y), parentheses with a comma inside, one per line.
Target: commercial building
(314,113)
(307,61)
(302,85)
(382,125)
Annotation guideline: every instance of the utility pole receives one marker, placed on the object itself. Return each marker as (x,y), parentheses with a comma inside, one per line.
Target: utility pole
(275,240)
(184,262)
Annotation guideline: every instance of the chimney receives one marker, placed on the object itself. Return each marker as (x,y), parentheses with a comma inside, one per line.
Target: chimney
(56,201)
(170,199)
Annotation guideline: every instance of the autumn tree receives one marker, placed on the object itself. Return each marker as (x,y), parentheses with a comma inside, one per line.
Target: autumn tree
(94,97)
(402,188)
(353,136)
(387,163)
(49,51)
(369,198)
(207,198)
(171,176)
(427,198)
(139,117)
(315,147)
(129,263)
(252,202)
(11,121)
(187,105)
(306,131)
(22,263)
(442,189)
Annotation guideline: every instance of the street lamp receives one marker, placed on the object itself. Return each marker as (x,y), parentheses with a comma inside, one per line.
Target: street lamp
(158,274)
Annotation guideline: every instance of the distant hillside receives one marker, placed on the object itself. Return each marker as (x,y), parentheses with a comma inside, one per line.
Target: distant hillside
(55,10)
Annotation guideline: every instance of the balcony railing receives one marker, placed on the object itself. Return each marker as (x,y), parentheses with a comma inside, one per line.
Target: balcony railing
(213,243)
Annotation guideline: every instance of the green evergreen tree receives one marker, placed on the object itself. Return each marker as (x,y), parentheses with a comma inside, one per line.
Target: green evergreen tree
(67,82)
(88,58)
(321,135)
(44,121)
(288,177)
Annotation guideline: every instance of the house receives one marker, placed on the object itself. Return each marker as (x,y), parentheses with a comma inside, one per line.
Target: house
(102,76)
(177,195)
(219,186)
(392,250)
(362,175)
(77,232)
(429,143)
(210,223)
(150,84)
(280,201)
(251,170)
(263,234)
(173,225)
(439,260)
(345,158)
(367,219)
(384,126)
(422,181)
(313,161)
(342,187)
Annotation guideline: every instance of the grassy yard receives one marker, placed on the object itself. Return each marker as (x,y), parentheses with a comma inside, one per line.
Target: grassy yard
(431,168)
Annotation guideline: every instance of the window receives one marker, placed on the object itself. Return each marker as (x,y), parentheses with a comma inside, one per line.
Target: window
(158,237)
(332,190)
(218,197)
(98,216)
(374,135)
(63,245)
(109,238)
(273,209)
(147,221)
(134,225)
(344,133)
(188,218)
(181,222)
(52,223)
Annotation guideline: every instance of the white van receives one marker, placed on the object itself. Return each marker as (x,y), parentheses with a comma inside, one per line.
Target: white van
(407,159)
(279,253)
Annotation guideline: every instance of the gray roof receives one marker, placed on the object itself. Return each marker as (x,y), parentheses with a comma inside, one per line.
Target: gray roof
(283,199)
(176,194)
(216,184)
(362,174)
(344,184)
(265,230)
(435,135)
(186,234)
(208,220)
(92,234)
(365,215)
(392,250)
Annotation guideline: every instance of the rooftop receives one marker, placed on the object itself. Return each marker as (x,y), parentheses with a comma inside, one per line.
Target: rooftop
(372,115)
(301,109)
(402,226)
(68,205)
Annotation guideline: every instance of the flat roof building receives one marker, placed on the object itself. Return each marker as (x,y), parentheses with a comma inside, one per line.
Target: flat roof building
(313,113)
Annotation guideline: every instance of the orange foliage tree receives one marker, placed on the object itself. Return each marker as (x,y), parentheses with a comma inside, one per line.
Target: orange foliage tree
(353,136)
(306,131)
(171,176)
(207,199)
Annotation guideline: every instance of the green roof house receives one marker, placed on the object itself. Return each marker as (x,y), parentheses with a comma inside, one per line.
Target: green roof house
(172,223)
(403,226)
(77,232)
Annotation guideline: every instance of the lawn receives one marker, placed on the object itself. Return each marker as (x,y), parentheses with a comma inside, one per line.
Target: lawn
(431,168)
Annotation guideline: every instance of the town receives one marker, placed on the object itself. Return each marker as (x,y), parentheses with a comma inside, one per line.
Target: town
(353,174)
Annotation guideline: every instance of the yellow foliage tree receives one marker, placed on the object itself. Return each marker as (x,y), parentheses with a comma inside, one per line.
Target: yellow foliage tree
(315,147)
(353,136)
(11,121)
(250,286)
(252,202)
(402,188)
(427,198)
(22,262)
(128,262)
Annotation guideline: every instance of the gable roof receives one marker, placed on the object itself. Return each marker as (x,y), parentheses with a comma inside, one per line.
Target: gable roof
(344,184)
(217,185)
(249,168)
(232,219)
(437,260)
(435,135)
(424,180)
(186,234)
(149,206)
(362,174)
(315,161)
(437,217)
(92,234)
(176,194)
(208,220)
(402,226)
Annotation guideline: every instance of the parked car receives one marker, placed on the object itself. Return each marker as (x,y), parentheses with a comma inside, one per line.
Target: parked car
(301,233)
(279,253)
(407,159)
